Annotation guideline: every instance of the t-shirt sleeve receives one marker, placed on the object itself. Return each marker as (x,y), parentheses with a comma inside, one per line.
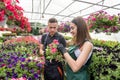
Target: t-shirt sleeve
(42,39)
(63,41)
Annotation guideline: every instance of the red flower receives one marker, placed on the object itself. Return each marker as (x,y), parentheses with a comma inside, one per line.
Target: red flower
(14,14)
(3,65)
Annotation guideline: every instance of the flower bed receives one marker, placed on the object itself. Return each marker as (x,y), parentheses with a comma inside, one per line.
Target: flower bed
(105,61)
(26,39)
(20,59)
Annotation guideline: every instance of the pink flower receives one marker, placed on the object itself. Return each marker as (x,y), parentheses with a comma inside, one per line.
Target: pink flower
(55,41)
(53,50)
(93,19)
(104,22)
(14,79)
(51,45)
(22,78)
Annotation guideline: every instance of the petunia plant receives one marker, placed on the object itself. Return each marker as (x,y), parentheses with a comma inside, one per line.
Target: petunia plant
(20,60)
(52,53)
(14,14)
(101,21)
(64,27)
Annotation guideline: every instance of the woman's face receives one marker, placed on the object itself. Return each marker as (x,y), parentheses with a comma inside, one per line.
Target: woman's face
(73,29)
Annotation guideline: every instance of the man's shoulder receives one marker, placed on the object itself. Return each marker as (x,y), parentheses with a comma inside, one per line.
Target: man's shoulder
(45,34)
(60,35)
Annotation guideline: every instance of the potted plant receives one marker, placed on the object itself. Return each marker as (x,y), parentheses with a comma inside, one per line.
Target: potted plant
(52,53)
(20,60)
(101,21)
(14,14)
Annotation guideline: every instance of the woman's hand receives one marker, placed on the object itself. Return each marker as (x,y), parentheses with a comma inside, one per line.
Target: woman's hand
(61,48)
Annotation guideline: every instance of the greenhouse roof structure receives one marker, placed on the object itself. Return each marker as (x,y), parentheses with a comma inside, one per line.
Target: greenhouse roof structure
(65,10)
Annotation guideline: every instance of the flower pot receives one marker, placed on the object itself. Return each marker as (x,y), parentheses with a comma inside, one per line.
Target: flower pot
(3,23)
(2,78)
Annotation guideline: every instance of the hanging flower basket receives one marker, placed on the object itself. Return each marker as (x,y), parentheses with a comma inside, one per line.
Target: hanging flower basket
(14,14)
(3,22)
(103,22)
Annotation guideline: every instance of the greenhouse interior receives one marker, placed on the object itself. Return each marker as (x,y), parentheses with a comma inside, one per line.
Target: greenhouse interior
(24,50)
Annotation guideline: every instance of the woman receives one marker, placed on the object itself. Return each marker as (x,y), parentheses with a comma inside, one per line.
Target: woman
(79,54)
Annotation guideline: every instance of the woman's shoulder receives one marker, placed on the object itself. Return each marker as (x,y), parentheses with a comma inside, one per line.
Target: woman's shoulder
(88,44)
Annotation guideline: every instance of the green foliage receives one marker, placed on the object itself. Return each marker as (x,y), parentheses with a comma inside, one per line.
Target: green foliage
(1,39)
(15,61)
(2,72)
(67,37)
(103,43)
(105,60)
(35,31)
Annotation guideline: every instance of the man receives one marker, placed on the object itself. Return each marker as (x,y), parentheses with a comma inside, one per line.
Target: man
(50,71)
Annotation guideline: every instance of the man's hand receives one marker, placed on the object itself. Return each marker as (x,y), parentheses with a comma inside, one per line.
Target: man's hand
(41,52)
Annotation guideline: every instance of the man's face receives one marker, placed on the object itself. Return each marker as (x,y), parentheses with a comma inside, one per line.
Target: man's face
(52,28)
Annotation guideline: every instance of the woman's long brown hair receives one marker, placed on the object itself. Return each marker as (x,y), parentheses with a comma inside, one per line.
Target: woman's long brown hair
(82,31)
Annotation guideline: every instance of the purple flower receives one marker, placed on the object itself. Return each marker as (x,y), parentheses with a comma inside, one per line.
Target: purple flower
(1,60)
(9,60)
(15,75)
(39,64)
(24,75)
(36,75)
(22,59)
(34,51)
(30,78)
(8,74)
(32,71)
(22,66)
(10,66)
(29,60)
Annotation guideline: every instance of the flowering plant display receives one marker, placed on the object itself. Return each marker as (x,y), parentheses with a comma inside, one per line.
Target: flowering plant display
(14,14)
(101,21)
(22,78)
(64,27)
(20,60)
(52,52)
(25,39)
